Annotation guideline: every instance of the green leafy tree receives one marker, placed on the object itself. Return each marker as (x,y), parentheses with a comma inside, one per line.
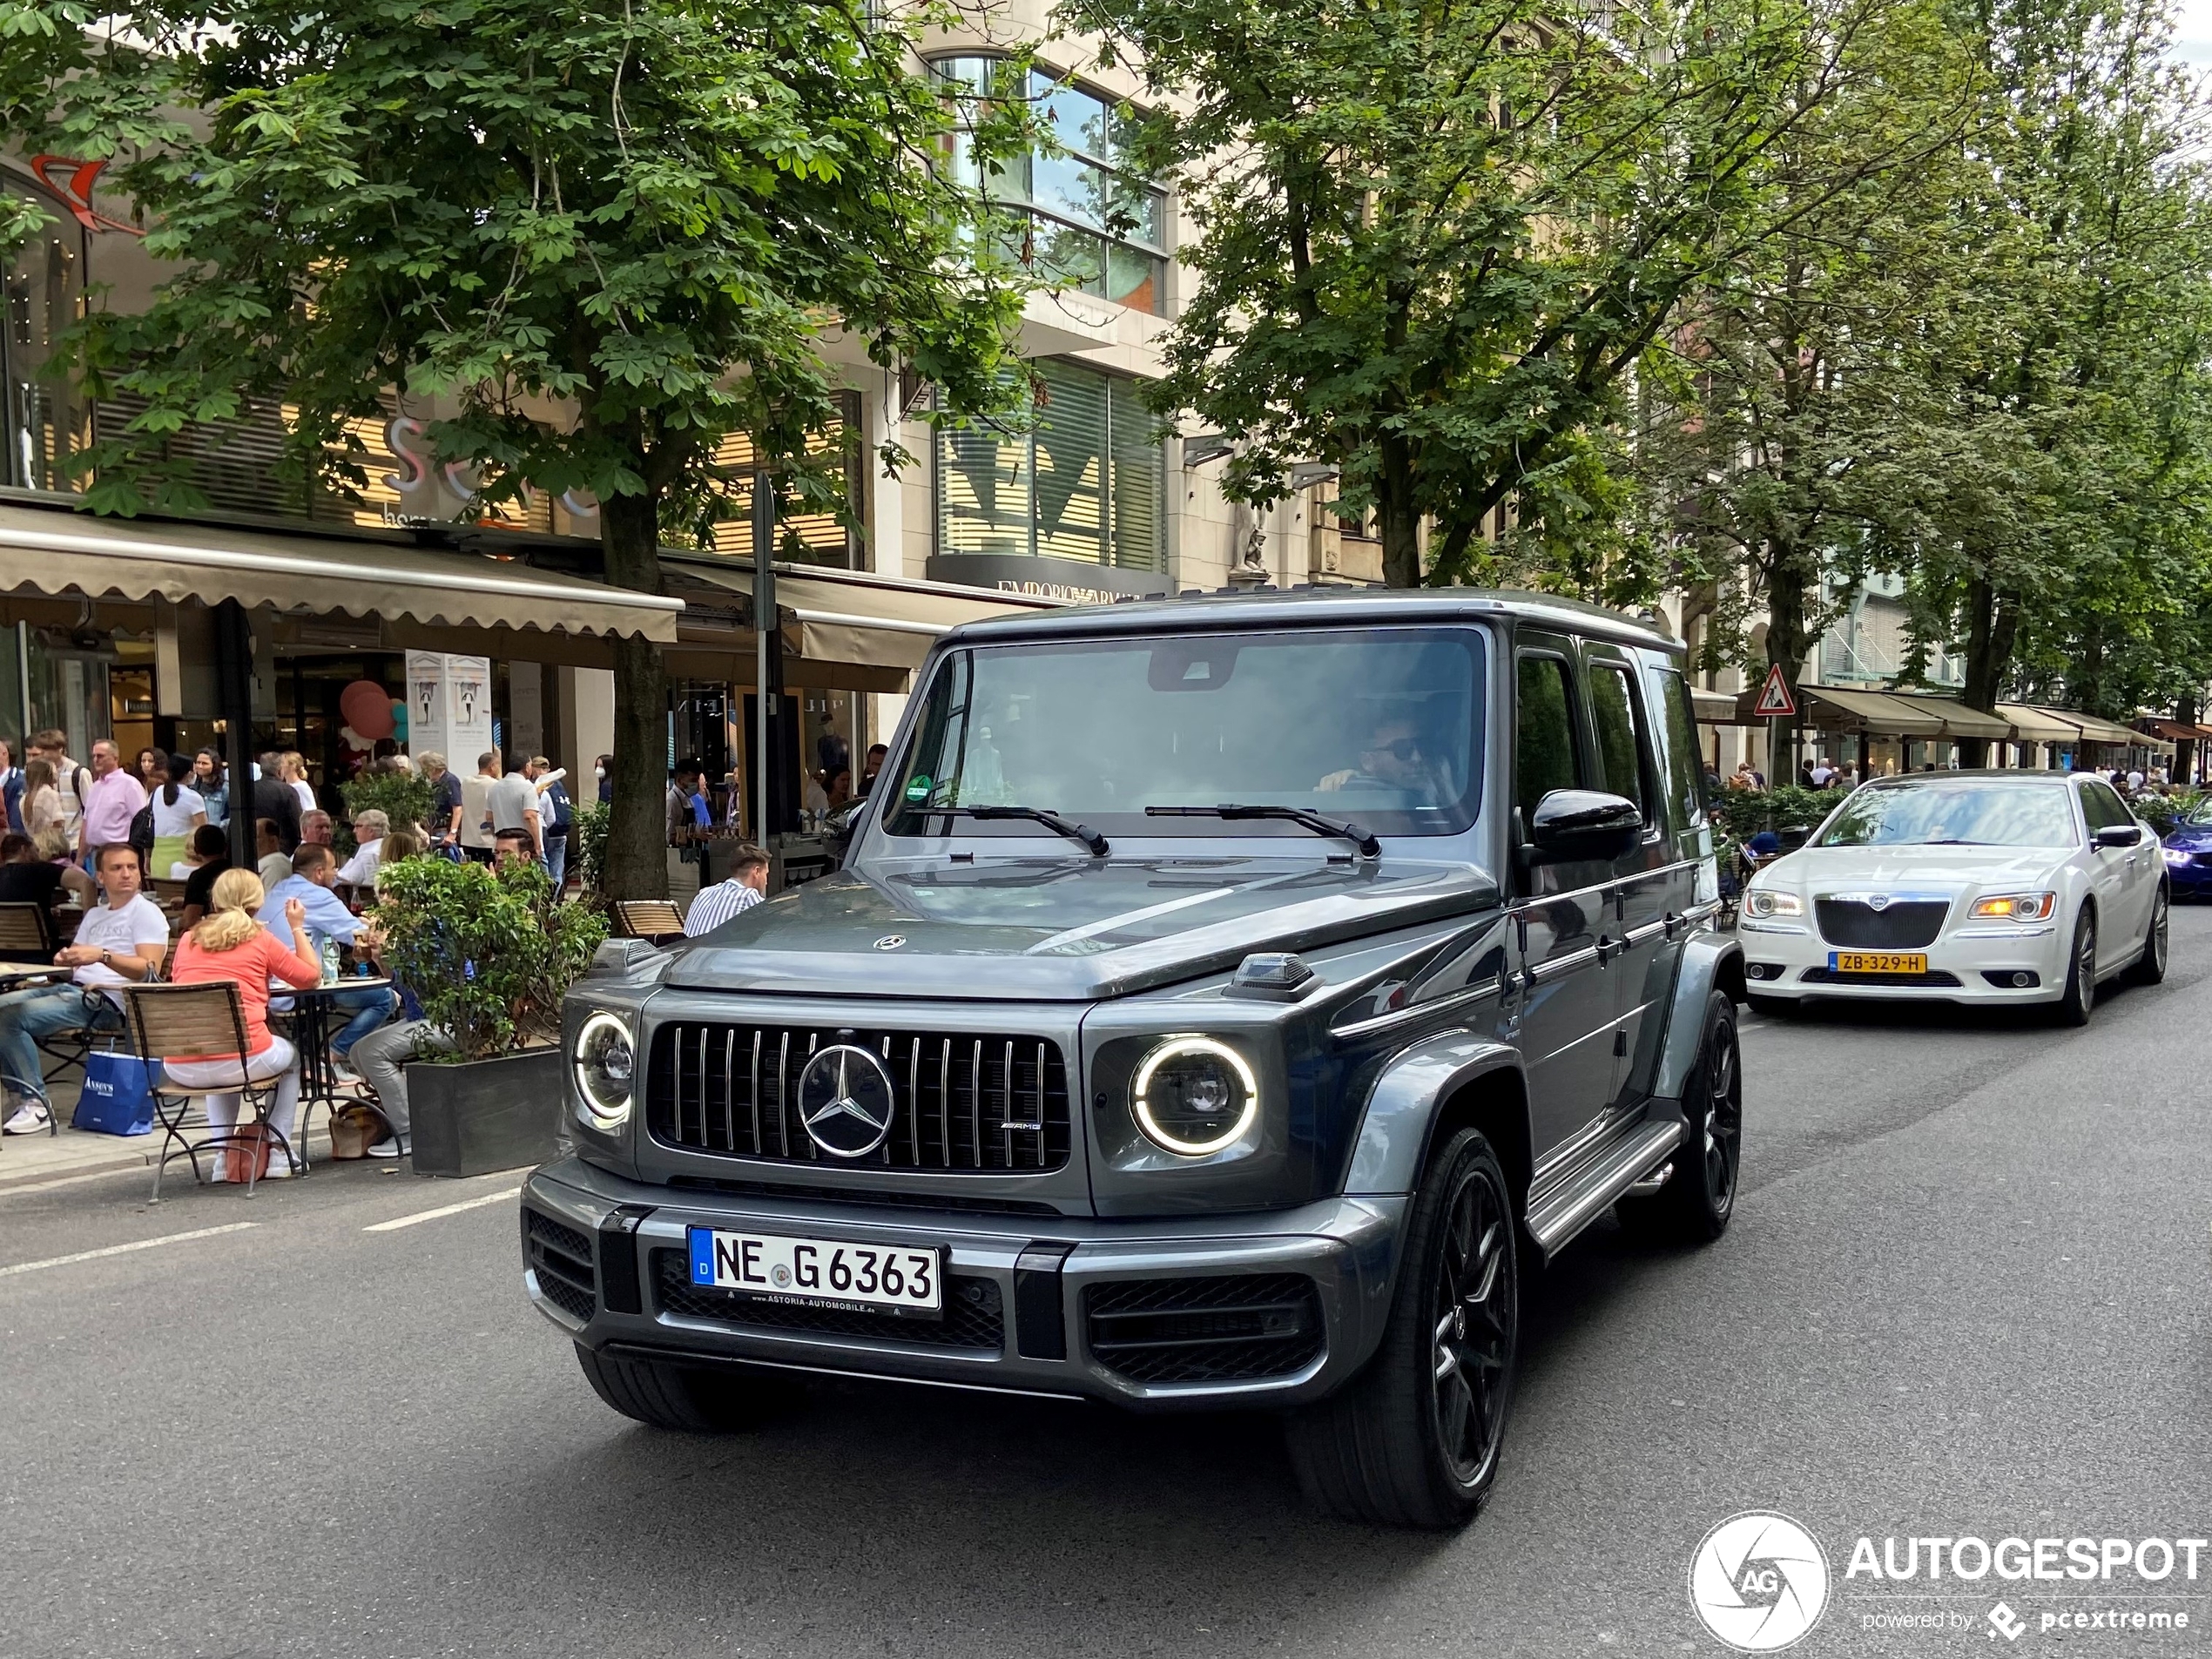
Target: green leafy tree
(605,236)
(1437,235)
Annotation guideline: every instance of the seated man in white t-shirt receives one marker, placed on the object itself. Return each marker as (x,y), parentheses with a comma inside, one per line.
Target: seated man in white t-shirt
(370,826)
(120,942)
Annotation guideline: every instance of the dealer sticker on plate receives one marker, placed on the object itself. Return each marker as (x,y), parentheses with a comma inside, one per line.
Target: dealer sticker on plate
(819,1272)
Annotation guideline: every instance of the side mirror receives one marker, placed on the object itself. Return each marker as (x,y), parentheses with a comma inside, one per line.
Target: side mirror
(841,823)
(2118,835)
(1577,826)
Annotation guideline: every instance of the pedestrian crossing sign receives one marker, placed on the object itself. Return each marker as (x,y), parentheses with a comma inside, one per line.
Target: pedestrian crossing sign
(1774,697)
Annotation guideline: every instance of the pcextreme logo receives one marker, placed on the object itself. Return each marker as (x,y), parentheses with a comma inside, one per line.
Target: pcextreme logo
(1759,1582)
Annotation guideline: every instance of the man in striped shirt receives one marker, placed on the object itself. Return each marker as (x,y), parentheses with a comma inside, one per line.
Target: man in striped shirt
(715,905)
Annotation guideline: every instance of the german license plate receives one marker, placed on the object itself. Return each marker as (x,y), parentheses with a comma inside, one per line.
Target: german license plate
(1877,961)
(821,1272)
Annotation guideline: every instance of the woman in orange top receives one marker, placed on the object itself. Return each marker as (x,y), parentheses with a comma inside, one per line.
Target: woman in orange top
(231,945)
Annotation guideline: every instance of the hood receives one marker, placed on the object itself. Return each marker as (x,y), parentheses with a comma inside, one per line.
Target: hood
(1824,869)
(1059,929)
(2193,837)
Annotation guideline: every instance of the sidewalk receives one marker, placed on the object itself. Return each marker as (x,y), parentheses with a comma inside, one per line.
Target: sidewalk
(40,1161)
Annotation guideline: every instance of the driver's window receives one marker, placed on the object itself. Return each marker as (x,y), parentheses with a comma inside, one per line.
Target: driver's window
(1613,714)
(2102,808)
(1545,754)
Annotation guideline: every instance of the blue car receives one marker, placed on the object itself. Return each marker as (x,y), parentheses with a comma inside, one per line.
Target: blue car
(2189,855)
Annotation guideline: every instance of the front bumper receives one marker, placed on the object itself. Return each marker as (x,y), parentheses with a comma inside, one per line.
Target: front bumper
(1036,1273)
(1790,959)
(2188,878)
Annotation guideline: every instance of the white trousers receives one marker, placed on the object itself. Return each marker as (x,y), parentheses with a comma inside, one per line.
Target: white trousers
(279,1059)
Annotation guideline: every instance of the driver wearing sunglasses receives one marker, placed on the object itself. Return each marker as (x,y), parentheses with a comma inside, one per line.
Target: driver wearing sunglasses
(1393,759)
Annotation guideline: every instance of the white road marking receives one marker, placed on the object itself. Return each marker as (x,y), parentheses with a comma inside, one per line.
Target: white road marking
(124,1250)
(395,1224)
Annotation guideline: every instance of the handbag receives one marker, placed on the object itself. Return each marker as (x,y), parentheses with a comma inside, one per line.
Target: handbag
(118,1095)
(244,1152)
(142,828)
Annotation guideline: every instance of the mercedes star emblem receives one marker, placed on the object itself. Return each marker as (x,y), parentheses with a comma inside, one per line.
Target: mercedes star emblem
(1879,901)
(846,1101)
(891,942)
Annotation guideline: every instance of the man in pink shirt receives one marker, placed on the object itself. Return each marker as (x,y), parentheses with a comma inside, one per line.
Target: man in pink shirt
(112,799)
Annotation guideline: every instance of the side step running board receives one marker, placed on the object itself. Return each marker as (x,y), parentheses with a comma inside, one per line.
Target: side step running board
(1562,1215)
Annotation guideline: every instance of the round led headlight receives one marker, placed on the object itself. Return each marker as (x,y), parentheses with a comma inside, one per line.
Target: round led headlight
(1194,1095)
(606,1065)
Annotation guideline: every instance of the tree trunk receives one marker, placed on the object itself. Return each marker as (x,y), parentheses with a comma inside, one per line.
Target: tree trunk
(1790,570)
(1991,620)
(1400,524)
(636,862)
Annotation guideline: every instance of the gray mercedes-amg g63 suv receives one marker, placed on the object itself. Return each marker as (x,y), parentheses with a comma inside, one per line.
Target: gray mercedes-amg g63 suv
(1223,1001)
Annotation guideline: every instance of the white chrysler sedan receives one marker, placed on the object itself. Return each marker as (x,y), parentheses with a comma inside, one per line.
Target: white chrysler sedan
(1961,886)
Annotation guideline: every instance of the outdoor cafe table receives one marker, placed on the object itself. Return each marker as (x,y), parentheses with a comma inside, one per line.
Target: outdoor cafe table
(311,1011)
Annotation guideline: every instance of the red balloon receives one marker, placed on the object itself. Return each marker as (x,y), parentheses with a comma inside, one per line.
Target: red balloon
(368,708)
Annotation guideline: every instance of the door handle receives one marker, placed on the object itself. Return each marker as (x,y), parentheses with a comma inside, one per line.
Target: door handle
(1606,948)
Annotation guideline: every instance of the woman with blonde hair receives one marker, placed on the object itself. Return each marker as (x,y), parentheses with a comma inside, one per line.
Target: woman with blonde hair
(230,945)
(42,800)
(291,768)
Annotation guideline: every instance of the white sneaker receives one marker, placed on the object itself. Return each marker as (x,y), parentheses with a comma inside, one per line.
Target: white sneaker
(277,1171)
(29,1119)
(387,1148)
(342,1068)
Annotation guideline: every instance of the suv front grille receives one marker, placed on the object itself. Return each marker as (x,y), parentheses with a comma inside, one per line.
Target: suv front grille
(1218,1329)
(974,1315)
(1897,926)
(562,1258)
(963,1103)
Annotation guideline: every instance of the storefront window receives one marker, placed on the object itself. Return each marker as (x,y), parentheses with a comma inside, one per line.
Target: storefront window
(1086,484)
(44,288)
(1075,212)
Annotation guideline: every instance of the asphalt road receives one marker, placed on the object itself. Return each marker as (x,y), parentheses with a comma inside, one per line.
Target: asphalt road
(1966,1292)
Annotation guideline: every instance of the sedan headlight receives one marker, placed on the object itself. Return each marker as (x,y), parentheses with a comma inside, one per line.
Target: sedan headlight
(1193,1096)
(605,1063)
(1765,902)
(2016,906)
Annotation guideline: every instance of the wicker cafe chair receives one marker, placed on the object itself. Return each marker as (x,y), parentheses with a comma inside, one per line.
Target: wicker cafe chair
(653,919)
(170,1021)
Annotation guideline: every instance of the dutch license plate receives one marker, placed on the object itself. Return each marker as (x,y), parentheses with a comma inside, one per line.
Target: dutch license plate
(821,1272)
(1877,961)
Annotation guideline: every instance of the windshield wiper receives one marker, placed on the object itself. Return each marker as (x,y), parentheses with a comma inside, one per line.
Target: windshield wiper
(1368,846)
(1059,826)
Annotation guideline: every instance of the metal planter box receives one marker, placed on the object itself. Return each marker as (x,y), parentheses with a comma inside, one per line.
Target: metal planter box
(479,1115)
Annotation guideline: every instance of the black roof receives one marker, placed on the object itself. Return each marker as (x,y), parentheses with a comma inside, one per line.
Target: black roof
(1302,607)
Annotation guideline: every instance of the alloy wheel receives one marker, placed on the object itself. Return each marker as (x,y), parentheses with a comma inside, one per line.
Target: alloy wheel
(2161,921)
(1723,1120)
(2085,965)
(1473,1312)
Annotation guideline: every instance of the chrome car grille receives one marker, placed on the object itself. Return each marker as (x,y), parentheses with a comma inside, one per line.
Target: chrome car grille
(963,1103)
(1906,925)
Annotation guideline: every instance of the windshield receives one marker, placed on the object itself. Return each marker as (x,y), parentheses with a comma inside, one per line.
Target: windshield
(1382,726)
(1933,814)
(2199,814)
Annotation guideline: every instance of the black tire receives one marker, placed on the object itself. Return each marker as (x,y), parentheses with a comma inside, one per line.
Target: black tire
(1775,1007)
(1694,1205)
(2150,967)
(689,1400)
(1413,1440)
(2079,997)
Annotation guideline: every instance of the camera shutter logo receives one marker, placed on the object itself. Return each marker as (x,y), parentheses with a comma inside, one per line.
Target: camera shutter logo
(1759,1582)
(846,1101)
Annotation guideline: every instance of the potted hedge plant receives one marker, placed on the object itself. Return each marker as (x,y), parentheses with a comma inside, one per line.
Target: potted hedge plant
(402,797)
(488,953)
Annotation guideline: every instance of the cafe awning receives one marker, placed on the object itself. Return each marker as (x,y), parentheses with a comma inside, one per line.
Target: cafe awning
(2094,730)
(848,631)
(1959,720)
(2031,724)
(1713,708)
(2180,731)
(1833,710)
(60,552)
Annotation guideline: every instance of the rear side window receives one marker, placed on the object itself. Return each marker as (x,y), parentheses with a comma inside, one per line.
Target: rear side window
(1613,711)
(1545,757)
(1685,766)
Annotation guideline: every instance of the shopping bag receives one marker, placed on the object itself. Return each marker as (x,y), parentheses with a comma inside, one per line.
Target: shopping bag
(117,1095)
